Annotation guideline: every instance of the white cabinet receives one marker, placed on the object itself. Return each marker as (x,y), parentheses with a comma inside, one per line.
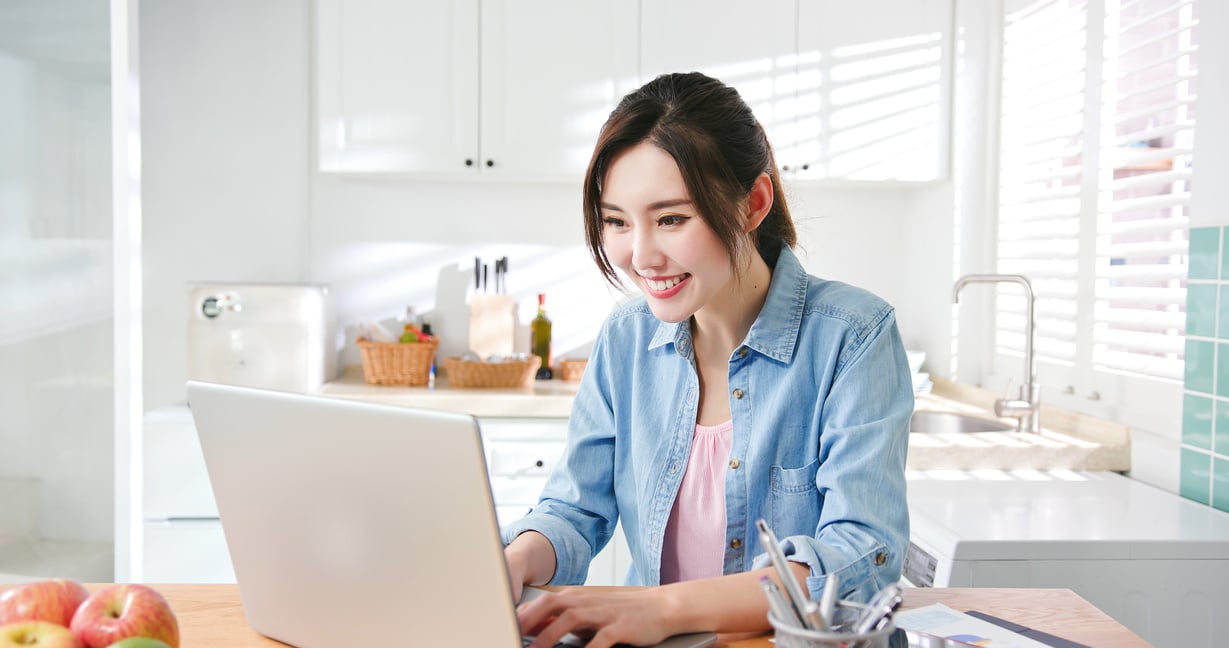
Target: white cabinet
(846,91)
(751,46)
(874,90)
(492,86)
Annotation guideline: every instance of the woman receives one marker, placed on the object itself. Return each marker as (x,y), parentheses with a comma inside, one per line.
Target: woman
(737,388)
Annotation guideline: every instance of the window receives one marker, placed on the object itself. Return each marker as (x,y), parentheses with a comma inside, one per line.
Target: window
(1094,179)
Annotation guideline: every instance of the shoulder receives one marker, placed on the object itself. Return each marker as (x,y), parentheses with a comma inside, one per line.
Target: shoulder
(630,320)
(857,308)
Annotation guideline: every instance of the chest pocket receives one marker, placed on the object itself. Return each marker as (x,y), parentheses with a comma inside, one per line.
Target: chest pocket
(794,501)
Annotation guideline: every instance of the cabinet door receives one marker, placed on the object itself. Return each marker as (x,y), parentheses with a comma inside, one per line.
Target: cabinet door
(874,95)
(750,46)
(397,85)
(552,70)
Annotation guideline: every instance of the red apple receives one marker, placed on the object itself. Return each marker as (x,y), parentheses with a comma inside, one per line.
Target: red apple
(42,634)
(48,600)
(121,611)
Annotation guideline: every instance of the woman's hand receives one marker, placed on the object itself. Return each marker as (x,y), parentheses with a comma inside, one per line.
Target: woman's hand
(639,617)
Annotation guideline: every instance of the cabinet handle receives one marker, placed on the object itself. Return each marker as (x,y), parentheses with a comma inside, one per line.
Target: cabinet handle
(490,163)
(469,162)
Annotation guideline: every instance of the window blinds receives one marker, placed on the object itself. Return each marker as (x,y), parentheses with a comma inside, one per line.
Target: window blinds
(1094,180)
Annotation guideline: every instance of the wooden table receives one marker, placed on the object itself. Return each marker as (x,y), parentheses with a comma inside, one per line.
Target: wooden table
(211,615)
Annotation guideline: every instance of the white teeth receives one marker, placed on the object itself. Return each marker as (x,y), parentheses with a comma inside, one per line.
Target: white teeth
(663,285)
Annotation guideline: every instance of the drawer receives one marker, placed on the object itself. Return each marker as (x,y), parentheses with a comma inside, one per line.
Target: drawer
(176,481)
(186,551)
(495,430)
(523,459)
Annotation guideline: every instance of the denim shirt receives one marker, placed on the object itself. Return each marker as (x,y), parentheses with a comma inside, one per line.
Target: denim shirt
(820,395)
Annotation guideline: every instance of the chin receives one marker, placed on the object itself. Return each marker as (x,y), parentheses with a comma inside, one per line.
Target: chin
(668,314)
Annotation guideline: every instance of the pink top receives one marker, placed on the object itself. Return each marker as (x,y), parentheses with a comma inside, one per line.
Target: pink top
(694,545)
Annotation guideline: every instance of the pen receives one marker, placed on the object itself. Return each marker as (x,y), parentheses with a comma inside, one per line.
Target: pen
(781,609)
(881,606)
(797,599)
(827,601)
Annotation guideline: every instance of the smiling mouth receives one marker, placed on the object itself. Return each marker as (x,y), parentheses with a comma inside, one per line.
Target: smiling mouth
(662,285)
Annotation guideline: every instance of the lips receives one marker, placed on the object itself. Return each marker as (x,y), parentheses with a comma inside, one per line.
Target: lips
(663,287)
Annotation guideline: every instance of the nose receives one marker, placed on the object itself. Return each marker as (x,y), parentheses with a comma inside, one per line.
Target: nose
(646,254)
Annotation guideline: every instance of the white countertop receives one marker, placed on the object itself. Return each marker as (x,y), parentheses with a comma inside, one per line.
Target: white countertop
(1067,441)
(1060,515)
(545,399)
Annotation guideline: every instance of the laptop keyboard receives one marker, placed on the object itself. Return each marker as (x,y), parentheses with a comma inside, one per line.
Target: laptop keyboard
(569,642)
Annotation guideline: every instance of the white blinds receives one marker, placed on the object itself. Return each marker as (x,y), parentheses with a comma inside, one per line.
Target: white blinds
(1094,179)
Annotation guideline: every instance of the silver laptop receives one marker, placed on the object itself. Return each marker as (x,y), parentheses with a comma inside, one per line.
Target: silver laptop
(352,523)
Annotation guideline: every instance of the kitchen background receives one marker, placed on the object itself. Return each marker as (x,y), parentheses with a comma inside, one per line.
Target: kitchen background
(238,183)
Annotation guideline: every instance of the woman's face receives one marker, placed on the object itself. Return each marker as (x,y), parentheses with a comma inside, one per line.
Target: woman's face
(653,233)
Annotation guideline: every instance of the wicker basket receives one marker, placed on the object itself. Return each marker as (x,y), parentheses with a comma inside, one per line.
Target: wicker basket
(572,370)
(397,363)
(510,373)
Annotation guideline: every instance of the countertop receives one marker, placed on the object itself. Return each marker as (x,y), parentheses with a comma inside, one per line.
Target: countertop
(212,615)
(1067,441)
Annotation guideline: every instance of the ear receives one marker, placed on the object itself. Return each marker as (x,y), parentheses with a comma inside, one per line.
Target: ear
(759,202)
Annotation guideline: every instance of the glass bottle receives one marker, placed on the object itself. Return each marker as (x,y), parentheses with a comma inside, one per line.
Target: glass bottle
(539,343)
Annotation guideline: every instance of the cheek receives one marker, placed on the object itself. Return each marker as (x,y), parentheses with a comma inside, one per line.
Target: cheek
(618,251)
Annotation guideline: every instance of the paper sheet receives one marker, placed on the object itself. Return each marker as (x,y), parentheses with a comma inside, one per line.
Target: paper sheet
(938,619)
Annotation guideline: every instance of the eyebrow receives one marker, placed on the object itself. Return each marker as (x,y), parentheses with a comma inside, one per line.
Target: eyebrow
(661,204)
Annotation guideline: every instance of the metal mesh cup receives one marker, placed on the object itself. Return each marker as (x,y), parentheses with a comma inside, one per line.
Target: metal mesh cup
(846,614)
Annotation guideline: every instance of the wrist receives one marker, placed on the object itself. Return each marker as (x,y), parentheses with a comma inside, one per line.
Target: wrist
(531,558)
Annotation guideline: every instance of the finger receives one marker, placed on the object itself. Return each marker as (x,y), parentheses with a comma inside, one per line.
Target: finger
(577,622)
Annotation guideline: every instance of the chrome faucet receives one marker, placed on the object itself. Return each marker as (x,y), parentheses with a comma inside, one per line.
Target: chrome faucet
(1026,409)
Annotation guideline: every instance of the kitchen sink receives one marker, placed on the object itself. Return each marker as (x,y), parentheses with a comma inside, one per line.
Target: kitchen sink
(927,422)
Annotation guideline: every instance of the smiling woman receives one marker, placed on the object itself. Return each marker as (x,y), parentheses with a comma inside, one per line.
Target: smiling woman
(738,388)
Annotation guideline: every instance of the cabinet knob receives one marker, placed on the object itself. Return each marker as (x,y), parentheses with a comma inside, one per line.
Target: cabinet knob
(539,463)
(490,163)
(805,167)
(785,167)
(469,162)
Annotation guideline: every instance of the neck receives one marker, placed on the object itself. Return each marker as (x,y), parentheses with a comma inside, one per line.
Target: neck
(723,324)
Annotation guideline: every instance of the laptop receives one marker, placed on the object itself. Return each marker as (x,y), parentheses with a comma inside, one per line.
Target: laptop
(352,523)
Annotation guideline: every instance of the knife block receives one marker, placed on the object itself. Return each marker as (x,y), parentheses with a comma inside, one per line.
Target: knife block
(491,325)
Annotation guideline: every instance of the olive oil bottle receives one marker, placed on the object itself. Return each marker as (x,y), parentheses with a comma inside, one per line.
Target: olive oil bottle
(540,339)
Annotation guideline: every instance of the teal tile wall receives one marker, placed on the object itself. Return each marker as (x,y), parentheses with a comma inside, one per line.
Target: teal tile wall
(1205,405)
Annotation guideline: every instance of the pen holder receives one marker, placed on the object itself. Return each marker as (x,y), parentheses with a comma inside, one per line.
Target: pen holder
(786,635)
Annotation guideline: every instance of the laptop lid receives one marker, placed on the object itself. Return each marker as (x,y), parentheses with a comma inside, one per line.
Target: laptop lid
(353,523)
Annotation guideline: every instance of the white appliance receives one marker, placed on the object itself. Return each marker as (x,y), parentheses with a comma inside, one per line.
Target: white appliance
(1154,561)
(276,336)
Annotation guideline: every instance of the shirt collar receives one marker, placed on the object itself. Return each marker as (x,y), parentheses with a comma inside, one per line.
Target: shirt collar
(775,331)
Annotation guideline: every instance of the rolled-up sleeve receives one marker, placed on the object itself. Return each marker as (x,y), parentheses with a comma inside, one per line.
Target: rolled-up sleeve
(577,510)
(863,529)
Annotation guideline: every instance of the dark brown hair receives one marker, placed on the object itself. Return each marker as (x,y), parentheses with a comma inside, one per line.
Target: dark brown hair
(720,150)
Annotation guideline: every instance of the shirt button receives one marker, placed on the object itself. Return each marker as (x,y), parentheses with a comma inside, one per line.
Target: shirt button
(674,467)
(736,543)
(738,393)
(880,558)
(734,464)
(742,353)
